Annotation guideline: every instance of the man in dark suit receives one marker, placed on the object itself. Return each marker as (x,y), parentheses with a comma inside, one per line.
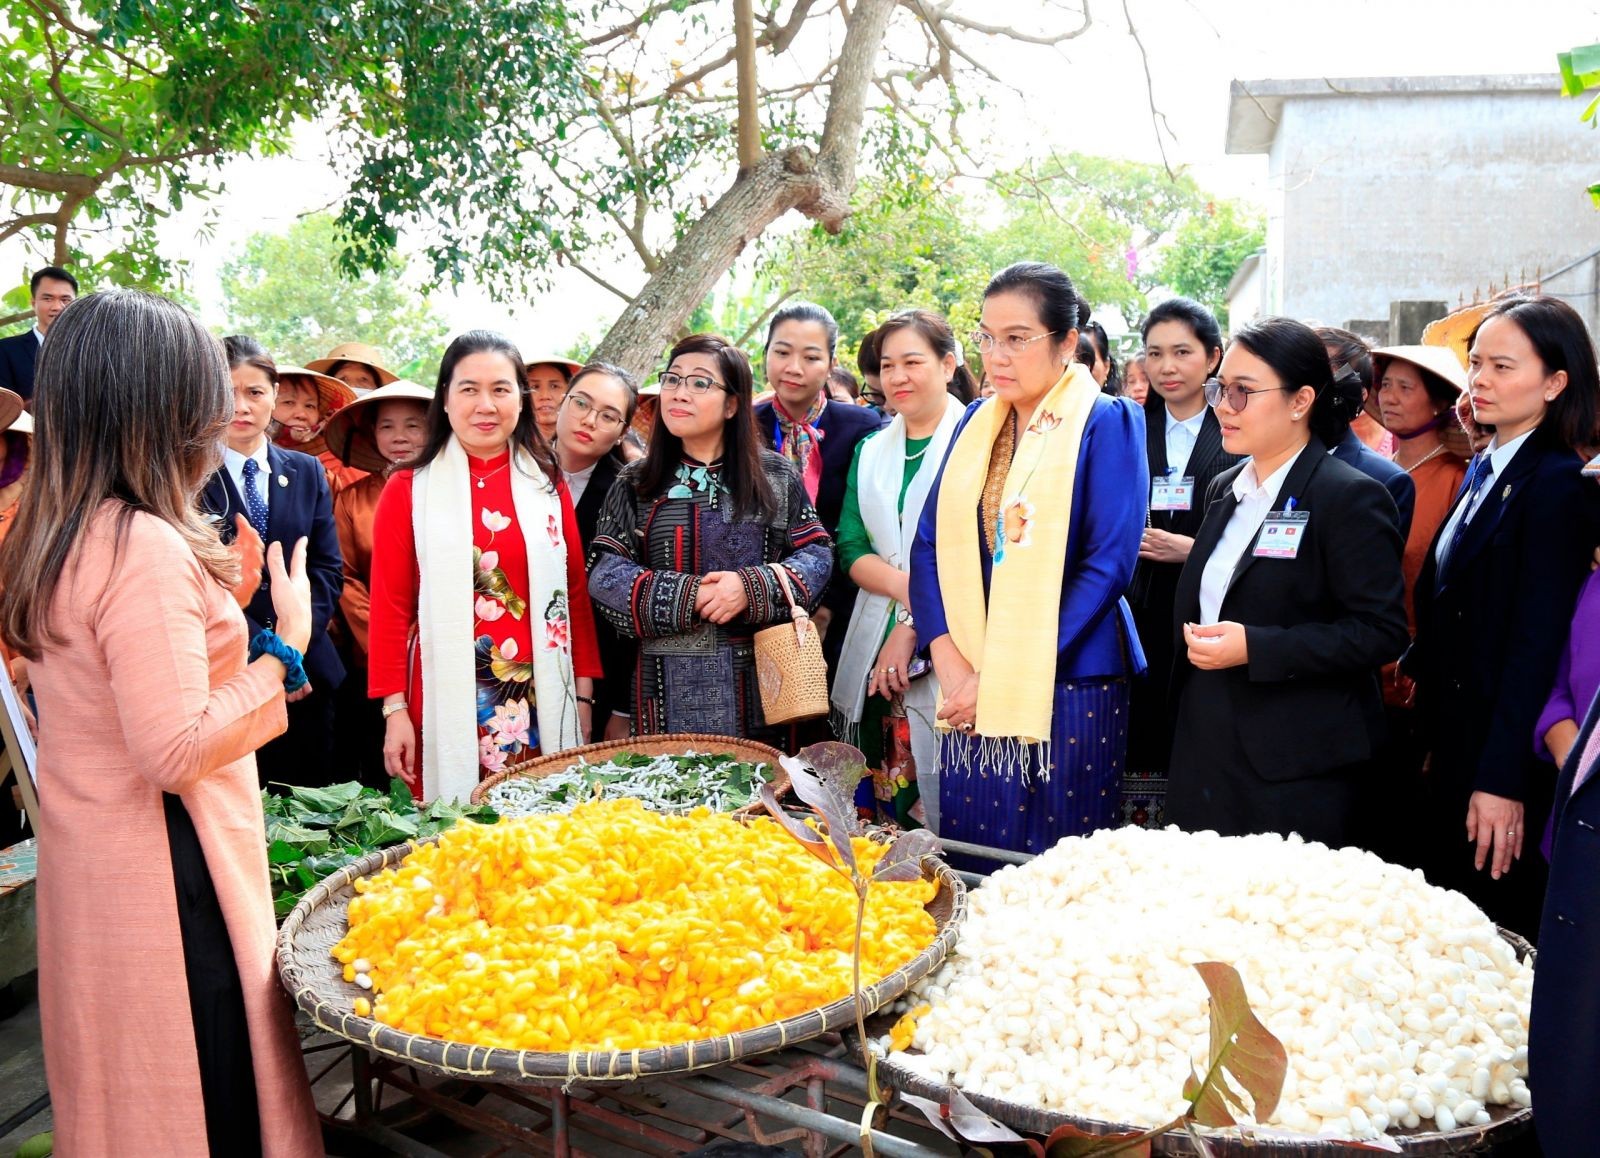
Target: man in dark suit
(52,290)
(1350,449)
(1564,1035)
(298,504)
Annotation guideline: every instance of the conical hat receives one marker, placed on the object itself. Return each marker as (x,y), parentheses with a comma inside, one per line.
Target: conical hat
(366,355)
(349,432)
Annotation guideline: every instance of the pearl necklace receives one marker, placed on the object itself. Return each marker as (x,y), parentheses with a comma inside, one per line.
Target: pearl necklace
(1432,454)
(481,478)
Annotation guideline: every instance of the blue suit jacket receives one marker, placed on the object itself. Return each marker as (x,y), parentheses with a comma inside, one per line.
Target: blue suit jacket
(18,354)
(300,505)
(1395,480)
(1095,632)
(1564,1036)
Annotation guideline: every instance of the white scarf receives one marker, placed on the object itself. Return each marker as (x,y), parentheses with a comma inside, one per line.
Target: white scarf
(442,521)
(892,527)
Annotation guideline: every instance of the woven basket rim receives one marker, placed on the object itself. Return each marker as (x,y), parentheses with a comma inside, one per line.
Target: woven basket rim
(493,1063)
(556,762)
(1024,1118)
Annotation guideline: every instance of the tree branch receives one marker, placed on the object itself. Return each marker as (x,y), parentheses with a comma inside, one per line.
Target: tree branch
(847,102)
(566,255)
(639,21)
(772,307)
(1156,118)
(749,122)
(944,15)
(22,316)
(64,183)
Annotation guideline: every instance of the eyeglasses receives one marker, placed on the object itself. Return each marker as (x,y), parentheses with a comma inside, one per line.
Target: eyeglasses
(583,406)
(1238,396)
(1014,344)
(697,383)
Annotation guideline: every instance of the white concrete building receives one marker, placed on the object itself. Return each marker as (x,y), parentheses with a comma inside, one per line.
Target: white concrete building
(1415,189)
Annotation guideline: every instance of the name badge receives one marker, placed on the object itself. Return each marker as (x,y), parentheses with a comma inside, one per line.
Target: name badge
(1281,535)
(1171,494)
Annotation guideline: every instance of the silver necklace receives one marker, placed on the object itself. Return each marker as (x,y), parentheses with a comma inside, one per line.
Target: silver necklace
(480,478)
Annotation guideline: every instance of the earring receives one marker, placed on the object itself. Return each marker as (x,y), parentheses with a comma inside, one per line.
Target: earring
(1295,416)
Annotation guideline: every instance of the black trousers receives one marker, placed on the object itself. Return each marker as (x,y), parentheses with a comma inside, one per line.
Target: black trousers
(303,755)
(216,997)
(1213,784)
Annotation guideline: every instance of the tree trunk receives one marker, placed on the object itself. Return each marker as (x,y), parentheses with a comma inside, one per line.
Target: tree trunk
(819,185)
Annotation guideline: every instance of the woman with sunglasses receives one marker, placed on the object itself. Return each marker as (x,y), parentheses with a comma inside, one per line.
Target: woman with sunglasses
(696,545)
(590,426)
(1289,603)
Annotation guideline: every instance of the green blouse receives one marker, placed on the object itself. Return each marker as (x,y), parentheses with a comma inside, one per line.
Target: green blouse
(852,540)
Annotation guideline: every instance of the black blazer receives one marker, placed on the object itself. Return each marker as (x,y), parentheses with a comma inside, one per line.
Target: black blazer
(18,354)
(588,508)
(302,507)
(1402,489)
(1489,639)
(1154,584)
(1318,626)
(843,427)
(618,654)
(1564,1034)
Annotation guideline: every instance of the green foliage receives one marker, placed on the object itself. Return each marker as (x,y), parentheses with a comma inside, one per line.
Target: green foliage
(1207,250)
(314,832)
(916,243)
(1580,73)
(906,245)
(287,291)
(122,110)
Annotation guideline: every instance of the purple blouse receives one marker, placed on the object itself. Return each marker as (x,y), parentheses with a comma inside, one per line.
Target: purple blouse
(1578,678)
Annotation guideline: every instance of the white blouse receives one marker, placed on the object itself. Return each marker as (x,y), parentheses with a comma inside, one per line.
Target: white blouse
(1255,499)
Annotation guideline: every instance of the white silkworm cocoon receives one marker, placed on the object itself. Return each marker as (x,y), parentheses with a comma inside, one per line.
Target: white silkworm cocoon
(1072,984)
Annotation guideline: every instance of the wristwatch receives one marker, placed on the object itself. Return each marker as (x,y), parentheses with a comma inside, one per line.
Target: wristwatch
(903,615)
(391,709)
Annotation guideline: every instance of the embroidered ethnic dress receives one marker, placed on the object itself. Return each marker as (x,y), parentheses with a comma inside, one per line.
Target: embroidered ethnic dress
(645,566)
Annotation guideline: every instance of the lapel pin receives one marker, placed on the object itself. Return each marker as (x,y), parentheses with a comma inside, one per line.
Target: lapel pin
(1505,494)
(283,480)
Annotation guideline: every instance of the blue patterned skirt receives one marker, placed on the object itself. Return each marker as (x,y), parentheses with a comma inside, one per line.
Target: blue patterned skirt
(1088,748)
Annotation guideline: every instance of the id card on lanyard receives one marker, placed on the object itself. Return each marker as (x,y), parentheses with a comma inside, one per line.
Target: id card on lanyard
(1282,532)
(1171,493)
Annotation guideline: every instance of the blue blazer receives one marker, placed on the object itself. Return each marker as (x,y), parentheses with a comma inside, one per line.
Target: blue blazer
(18,354)
(1095,635)
(1564,1034)
(1352,451)
(301,507)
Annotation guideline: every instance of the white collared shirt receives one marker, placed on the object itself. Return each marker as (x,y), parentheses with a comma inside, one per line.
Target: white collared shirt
(234,462)
(578,481)
(1255,500)
(1499,458)
(1182,434)
(39,334)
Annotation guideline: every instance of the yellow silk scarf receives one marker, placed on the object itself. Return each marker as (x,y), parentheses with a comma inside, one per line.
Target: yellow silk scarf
(1012,642)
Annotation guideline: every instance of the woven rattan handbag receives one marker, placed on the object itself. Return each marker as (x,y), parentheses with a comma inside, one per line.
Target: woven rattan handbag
(789,664)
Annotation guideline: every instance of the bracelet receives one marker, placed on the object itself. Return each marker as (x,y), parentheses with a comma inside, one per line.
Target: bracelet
(586,700)
(392,709)
(268,642)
